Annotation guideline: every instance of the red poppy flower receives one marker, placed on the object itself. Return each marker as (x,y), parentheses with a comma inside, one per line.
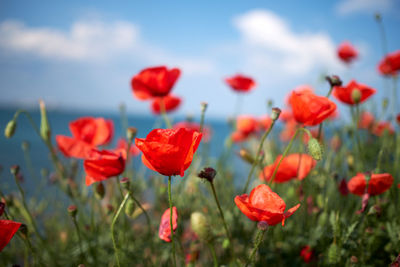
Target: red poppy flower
(7,231)
(240,83)
(101,165)
(310,109)
(306,254)
(264,205)
(87,133)
(171,103)
(381,127)
(346,52)
(344,94)
(378,184)
(286,115)
(169,151)
(343,187)
(298,89)
(164,232)
(246,124)
(398,118)
(390,65)
(238,137)
(122,146)
(366,120)
(153,82)
(194,126)
(289,168)
(289,130)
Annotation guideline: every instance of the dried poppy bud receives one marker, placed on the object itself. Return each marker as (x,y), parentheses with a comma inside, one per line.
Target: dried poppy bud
(100,190)
(131,133)
(10,128)
(276,112)
(315,149)
(72,210)
(204,106)
(200,226)
(14,170)
(208,174)
(334,80)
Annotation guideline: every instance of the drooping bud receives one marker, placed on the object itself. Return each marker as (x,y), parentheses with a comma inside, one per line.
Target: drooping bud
(315,149)
(130,207)
(14,170)
(262,225)
(125,183)
(100,190)
(200,226)
(208,174)
(334,80)
(246,156)
(72,210)
(356,96)
(276,112)
(10,128)
(45,131)
(131,133)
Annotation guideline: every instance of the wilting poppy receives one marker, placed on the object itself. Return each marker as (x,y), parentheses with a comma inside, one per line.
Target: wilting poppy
(87,133)
(7,231)
(345,93)
(194,126)
(240,83)
(378,184)
(366,120)
(310,109)
(164,232)
(122,146)
(390,65)
(101,165)
(264,205)
(292,166)
(169,151)
(346,52)
(171,103)
(381,127)
(154,82)
(306,254)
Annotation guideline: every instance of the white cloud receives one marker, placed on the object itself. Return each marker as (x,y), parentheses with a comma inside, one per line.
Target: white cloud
(272,45)
(346,7)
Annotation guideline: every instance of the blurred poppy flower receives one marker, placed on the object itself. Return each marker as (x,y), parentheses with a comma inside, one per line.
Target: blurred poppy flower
(310,109)
(7,231)
(164,232)
(306,254)
(292,166)
(398,118)
(246,124)
(169,151)
(194,126)
(154,82)
(345,93)
(238,137)
(390,65)
(122,146)
(87,133)
(289,130)
(366,120)
(265,122)
(171,103)
(286,115)
(240,83)
(381,127)
(378,184)
(335,142)
(264,205)
(101,165)
(299,89)
(346,52)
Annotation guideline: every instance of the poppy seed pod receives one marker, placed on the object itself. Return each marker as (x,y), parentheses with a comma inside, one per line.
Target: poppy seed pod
(204,106)
(72,210)
(125,183)
(276,112)
(356,96)
(131,133)
(334,80)
(200,226)
(10,128)
(315,149)
(130,207)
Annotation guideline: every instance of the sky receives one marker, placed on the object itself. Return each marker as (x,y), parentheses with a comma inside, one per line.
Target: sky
(81,55)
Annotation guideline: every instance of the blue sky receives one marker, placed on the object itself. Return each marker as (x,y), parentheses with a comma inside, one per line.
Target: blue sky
(81,55)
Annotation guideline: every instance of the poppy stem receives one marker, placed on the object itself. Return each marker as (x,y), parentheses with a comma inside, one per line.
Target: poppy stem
(170,219)
(121,206)
(287,151)
(78,232)
(253,166)
(164,113)
(258,240)
(214,256)
(143,210)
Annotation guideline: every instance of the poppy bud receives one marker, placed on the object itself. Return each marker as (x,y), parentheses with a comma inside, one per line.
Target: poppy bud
(350,161)
(245,155)
(385,103)
(333,254)
(204,106)
(356,96)
(315,149)
(130,207)
(131,133)
(2,207)
(262,225)
(125,183)
(208,174)
(378,17)
(225,243)
(23,229)
(10,128)
(334,80)
(200,226)
(275,113)
(14,170)
(72,210)
(270,102)
(44,122)
(100,190)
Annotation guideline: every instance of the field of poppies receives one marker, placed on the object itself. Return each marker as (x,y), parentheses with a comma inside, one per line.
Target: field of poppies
(318,190)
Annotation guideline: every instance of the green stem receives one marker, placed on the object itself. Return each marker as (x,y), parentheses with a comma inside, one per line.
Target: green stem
(203,113)
(221,214)
(214,256)
(143,210)
(253,166)
(259,238)
(394,101)
(79,236)
(121,206)
(164,113)
(119,187)
(170,219)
